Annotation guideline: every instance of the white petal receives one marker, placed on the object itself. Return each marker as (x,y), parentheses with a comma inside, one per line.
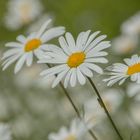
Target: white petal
(54,70)
(52,33)
(29,59)
(81,78)
(10,61)
(13,44)
(21,39)
(67,78)
(73,77)
(92,36)
(11,52)
(43,28)
(59,77)
(20,63)
(71,42)
(101,46)
(95,68)
(85,70)
(95,42)
(97,60)
(64,45)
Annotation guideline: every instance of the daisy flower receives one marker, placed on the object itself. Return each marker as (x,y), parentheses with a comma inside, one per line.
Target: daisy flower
(5,133)
(76,59)
(76,131)
(132,25)
(26,47)
(124,44)
(120,72)
(22,13)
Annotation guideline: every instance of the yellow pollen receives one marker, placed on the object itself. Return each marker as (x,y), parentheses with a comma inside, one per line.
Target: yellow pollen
(133,69)
(32,45)
(70,137)
(76,59)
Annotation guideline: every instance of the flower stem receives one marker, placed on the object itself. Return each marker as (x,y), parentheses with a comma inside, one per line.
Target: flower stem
(76,110)
(105,109)
(74,107)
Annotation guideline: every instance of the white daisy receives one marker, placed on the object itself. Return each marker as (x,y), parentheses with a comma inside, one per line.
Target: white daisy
(76,59)
(5,133)
(124,45)
(132,25)
(76,131)
(120,72)
(93,111)
(22,12)
(26,47)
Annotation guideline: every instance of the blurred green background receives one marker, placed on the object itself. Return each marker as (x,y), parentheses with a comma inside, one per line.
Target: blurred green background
(35,111)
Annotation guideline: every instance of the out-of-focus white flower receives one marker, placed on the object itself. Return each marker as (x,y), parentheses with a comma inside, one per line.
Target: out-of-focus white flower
(76,59)
(24,50)
(119,72)
(76,131)
(135,113)
(22,126)
(35,25)
(133,91)
(30,77)
(124,44)
(132,25)
(4,108)
(5,132)
(22,12)
(93,111)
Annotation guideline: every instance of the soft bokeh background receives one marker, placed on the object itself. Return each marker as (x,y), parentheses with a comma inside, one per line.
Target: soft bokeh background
(29,104)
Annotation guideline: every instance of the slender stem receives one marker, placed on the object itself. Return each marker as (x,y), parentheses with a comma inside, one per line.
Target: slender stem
(105,109)
(75,107)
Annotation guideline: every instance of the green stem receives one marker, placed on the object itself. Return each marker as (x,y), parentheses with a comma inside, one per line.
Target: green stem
(75,107)
(105,109)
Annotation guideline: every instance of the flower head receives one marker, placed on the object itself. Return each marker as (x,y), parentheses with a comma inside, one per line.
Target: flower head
(22,12)
(26,47)
(76,131)
(120,72)
(76,59)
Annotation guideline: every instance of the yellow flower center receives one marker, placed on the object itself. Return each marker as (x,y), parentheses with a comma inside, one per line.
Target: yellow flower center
(133,69)
(32,45)
(76,59)
(70,137)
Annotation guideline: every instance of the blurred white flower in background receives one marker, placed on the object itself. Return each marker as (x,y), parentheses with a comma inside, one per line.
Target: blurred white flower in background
(93,113)
(22,12)
(5,132)
(76,131)
(22,126)
(133,91)
(124,45)
(132,25)
(135,113)
(30,78)
(40,20)
(4,107)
